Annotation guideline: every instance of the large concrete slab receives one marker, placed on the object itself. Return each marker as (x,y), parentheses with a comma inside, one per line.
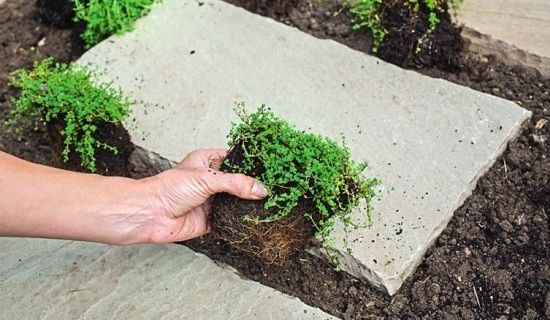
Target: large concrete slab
(52,279)
(427,138)
(516,31)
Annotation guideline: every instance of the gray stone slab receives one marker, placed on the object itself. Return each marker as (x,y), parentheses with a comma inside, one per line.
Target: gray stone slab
(522,23)
(427,138)
(52,279)
(515,31)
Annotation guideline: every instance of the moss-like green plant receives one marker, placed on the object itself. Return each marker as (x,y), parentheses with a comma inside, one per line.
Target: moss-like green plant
(107,17)
(295,164)
(68,92)
(366,15)
(369,13)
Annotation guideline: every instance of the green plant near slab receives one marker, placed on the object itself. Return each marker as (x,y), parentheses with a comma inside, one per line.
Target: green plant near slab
(294,165)
(369,14)
(107,17)
(366,15)
(70,93)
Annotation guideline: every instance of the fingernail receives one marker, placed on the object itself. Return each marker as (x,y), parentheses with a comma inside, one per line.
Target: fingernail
(258,190)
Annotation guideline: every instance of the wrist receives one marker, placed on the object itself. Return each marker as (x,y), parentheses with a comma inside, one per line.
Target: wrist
(131,216)
(46,202)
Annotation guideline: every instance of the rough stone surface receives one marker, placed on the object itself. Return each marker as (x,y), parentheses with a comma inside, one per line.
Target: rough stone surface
(428,139)
(522,23)
(53,279)
(145,163)
(516,31)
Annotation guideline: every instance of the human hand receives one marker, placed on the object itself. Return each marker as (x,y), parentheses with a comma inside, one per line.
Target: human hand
(184,195)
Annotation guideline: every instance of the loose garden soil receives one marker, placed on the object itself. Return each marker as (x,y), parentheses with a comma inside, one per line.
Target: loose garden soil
(491,262)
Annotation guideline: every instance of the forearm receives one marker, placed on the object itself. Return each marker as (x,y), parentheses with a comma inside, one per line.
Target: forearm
(40,201)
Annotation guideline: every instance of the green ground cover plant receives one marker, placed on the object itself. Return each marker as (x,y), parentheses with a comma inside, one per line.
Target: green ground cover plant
(296,166)
(72,94)
(107,17)
(370,14)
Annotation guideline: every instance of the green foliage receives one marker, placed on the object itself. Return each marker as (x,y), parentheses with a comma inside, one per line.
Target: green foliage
(106,17)
(369,14)
(295,164)
(68,92)
(434,6)
(366,15)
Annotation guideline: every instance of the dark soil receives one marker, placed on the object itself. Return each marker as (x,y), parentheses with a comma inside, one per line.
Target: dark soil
(491,262)
(409,42)
(275,242)
(107,162)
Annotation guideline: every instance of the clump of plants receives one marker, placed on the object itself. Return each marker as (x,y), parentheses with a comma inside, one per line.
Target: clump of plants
(366,14)
(104,18)
(312,182)
(75,106)
(414,23)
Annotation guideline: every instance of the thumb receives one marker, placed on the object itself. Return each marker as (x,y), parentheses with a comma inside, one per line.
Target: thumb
(238,185)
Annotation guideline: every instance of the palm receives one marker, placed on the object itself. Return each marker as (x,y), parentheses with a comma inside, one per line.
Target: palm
(184,214)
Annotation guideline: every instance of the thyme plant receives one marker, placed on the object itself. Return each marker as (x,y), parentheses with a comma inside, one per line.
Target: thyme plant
(365,15)
(295,164)
(106,17)
(70,93)
(369,14)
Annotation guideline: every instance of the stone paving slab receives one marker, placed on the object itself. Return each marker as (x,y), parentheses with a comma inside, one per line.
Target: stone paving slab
(516,31)
(427,138)
(53,279)
(522,23)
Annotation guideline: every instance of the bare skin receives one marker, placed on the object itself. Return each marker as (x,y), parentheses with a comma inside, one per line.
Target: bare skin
(45,202)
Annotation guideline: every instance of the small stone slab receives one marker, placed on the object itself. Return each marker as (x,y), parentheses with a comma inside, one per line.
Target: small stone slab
(428,139)
(514,31)
(524,24)
(54,279)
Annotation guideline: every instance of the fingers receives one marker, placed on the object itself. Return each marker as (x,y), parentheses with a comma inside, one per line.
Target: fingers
(206,158)
(236,184)
(216,158)
(245,187)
